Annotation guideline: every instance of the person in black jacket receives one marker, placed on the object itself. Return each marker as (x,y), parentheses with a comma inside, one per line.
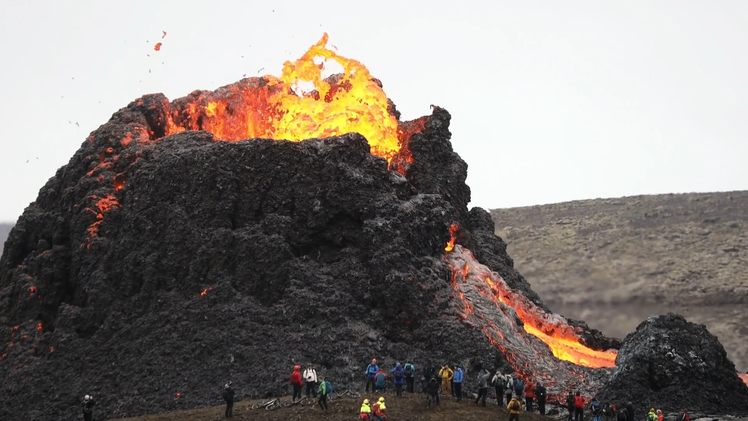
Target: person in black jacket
(541,394)
(629,411)
(432,391)
(228,396)
(570,405)
(88,404)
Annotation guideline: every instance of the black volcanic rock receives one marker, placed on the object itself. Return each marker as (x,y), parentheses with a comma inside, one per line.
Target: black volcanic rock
(672,364)
(152,266)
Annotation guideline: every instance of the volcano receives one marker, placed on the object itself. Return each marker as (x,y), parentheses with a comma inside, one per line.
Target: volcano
(232,234)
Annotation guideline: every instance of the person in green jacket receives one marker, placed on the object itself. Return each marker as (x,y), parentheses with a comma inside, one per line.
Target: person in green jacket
(323,391)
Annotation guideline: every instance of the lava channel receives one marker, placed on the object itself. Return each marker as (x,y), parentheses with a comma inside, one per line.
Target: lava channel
(542,345)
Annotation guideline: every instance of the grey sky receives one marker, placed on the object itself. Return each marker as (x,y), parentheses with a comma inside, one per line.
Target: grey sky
(551,100)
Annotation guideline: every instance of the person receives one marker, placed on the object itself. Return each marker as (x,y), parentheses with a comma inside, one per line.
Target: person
(660,415)
(514,407)
(365,412)
(482,386)
(398,378)
(596,409)
(295,381)
(88,404)
(378,410)
(310,376)
(458,378)
(541,394)
(529,394)
(324,390)
(652,415)
(508,388)
(629,411)
(380,381)
(622,414)
(371,371)
(608,414)
(683,416)
(519,387)
(432,391)
(570,405)
(410,376)
(228,396)
(446,374)
(498,384)
(578,407)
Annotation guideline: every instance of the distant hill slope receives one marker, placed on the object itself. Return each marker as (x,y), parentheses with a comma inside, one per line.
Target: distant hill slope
(614,262)
(4,231)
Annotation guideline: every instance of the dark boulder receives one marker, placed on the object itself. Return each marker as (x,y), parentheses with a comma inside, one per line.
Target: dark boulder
(672,364)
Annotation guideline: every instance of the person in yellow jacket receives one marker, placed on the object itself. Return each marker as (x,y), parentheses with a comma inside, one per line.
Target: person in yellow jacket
(514,408)
(365,412)
(446,374)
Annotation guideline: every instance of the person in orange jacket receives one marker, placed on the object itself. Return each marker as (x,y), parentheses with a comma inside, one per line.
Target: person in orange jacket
(529,394)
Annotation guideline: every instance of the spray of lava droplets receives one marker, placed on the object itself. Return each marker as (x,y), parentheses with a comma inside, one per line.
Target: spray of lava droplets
(281,111)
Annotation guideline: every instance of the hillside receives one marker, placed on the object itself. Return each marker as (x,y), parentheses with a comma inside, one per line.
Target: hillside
(614,262)
(4,231)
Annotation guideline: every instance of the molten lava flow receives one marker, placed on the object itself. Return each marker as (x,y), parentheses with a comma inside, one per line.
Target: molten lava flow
(278,109)
(552,329)
(744,377)
(453,228)
(102,205)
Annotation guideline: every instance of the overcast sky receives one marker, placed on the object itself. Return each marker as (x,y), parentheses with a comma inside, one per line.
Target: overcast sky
(550,100)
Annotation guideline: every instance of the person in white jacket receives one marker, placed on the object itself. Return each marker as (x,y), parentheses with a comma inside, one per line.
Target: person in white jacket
(310,377)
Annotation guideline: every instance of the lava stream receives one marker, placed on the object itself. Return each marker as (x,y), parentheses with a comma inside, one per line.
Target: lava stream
(493,307)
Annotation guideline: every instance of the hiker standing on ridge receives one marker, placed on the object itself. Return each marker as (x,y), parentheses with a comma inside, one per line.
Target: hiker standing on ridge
(310,376)
(529,394)
(410,376)
(87,405)
(570,405)
(295,381)
(629,411)
(228,396)
(458,378)
(498,381)
(446,374)
(380,381)
(596,409)
(482,386)
(371,372)
(509,386)
(432,392)
(324,390)
(519,386)
(514,407)
(541,394)
(578,407)
(398,377)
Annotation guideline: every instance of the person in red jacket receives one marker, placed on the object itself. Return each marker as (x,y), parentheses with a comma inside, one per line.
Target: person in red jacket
(529,394)
(296,382)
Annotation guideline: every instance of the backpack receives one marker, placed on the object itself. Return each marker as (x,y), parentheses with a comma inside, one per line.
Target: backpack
(515,405)
(595,407)
(509,384)
(683,416)
(409,370)
(519,384)
(328,387)
(398,374)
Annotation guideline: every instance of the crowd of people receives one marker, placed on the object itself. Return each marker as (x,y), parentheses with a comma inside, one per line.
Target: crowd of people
(516,394)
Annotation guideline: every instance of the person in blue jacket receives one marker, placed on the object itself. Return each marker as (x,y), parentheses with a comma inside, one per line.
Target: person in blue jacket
(398,378)
(371,371)
(458,378)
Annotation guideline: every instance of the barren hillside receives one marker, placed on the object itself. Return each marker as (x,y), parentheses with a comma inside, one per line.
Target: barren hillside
(614,262)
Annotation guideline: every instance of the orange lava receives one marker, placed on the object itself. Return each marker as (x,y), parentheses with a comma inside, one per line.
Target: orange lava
(157,47)
(283,110)
(205,291)
(744,377)
(102,205)
(552,329)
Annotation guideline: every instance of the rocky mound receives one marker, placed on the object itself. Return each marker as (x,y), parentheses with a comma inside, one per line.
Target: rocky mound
(153,268)
(672,364)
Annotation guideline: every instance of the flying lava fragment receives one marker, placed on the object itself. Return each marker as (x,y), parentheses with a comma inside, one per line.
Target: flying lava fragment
(157,47)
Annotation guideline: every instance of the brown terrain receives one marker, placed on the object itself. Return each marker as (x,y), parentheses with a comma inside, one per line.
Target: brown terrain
(408,408)
(615,262)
